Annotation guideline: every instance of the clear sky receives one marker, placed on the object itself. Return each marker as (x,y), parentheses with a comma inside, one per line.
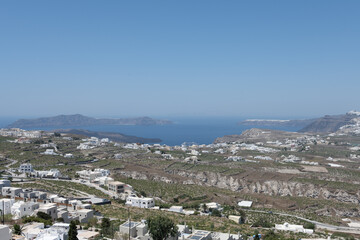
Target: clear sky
(179,58)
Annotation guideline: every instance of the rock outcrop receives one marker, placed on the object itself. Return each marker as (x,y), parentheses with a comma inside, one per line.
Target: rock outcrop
(267,187)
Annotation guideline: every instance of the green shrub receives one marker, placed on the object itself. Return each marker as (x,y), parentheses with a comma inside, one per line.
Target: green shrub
(262,222)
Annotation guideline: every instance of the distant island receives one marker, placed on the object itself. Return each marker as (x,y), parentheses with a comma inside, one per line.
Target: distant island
(81,120)
(326,124)
(116,137)
(277,123)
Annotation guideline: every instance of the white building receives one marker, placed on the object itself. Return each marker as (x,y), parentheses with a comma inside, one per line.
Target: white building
(177,209)
(49,152)
(135,230)
(92,175)
(247,204)
(52,173)
(68,155)
(140,202)
(21,209)
(235,218)
(26,168)
(59,231)
(293,228)
(5,233)
(103,181)
(85,215)
(5,205)
(11,192)
(116,187)
(31,230)
(5,183)
(50,209)
(213,205)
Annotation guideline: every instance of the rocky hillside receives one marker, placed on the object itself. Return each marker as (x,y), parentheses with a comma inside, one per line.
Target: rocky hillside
(329,124)
(80,120)
(270,187)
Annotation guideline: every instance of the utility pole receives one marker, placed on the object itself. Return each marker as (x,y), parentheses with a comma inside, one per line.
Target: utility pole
(129,221)
(3,213)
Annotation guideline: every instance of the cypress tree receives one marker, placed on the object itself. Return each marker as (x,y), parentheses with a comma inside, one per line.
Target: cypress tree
(73,231)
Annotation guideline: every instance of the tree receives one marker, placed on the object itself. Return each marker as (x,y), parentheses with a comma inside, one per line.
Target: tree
(256,235)
(204,208)
(92,221)
(242,215)
(105,226)
(44,216)
(17,229)
(216,213)
(161,227)
(72,231)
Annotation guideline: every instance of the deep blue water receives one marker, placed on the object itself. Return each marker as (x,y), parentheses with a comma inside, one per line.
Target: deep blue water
(199,130)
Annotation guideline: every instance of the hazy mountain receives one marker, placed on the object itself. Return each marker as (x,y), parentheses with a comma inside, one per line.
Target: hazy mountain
(326,124)
(80,120)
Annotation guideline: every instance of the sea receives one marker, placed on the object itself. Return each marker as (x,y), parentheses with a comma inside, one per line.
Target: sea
(184,130)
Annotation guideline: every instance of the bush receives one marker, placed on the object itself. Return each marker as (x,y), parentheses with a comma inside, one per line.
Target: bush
(36,219)
(339,235)
(44,216)
(309,225)
(17,229)
(216,213)
(262,222)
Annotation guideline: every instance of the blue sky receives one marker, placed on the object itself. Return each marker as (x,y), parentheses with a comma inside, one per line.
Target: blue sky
(179,58)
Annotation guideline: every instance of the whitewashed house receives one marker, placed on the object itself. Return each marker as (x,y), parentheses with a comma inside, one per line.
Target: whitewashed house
(177,209)
(11,192)
(103,181)
(49,152)
(140,202)
(50,209)
(26,168)
(5,233)
(21,209)
(5,205)
(52,173)
(59,231)
(68,155)
(293,228)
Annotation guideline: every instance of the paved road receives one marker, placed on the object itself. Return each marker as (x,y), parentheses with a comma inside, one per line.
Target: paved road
(319,225)
(12,162)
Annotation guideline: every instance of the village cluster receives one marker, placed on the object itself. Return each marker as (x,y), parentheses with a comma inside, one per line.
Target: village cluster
(20,203)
